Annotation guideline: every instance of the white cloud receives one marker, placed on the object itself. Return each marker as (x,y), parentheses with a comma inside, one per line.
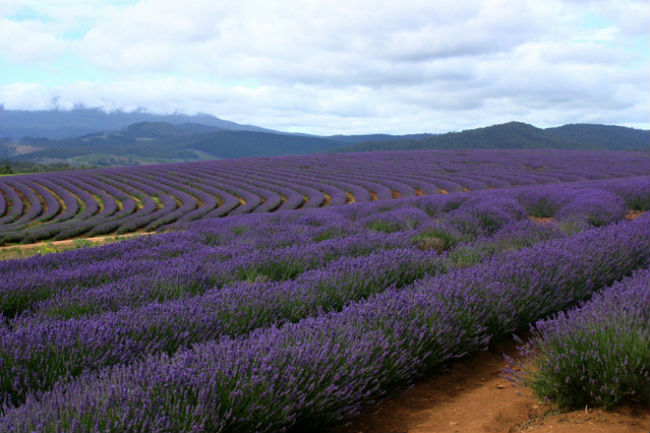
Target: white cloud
(28,41)
(343,66)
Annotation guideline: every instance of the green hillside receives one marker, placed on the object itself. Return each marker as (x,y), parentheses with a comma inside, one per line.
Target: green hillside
(517,135)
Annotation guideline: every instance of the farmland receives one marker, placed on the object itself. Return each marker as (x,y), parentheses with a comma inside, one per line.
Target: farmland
(88,203)
(289,293)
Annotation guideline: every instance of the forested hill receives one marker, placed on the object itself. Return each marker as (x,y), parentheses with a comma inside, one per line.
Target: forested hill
(604,136)
(517,135)
(160,142)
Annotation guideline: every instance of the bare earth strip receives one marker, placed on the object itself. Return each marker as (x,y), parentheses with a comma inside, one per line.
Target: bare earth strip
(27,250)
(472,397)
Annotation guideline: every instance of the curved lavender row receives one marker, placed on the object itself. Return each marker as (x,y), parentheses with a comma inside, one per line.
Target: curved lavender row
(254,198)
(28,353)
(474,217)
(189,203)
(32,207)
(494,182)
(247,201)
(291,199)
(263,200)
(494,166)
(205,202)
(324,369)
(207,182)
(381,191)
(270,201)
(51,203)
(153,188)
(108,203)
(377,187)
(90,216)
(130,211)
(380,174)
(314,198)
(126,205)
(90,205)
(327,184)
(3,204)
(357,172)
(117,194)
(359,194)
(68,189)
(596,354)
(70,204)
(336,195)
(52,210)
(448,185)
(142,215)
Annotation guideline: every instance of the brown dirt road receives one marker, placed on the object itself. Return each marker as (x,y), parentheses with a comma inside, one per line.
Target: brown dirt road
(471,397)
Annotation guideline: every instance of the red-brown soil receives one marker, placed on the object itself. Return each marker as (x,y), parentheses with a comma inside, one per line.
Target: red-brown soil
(633,214)
(540,220)
(472,397)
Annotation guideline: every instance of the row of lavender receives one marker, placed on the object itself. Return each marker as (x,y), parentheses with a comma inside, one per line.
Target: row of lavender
(323,368)
(282,245)
(597,354)
(199,298)
(94,202)
(117,323)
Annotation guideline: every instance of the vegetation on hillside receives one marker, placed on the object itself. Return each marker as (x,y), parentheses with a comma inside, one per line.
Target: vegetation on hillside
(517,135)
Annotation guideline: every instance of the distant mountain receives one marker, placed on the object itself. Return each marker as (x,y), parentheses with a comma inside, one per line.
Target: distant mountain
(604,136)
(158,142)
(517,135)
(355,139)
(57,124)
(241,144)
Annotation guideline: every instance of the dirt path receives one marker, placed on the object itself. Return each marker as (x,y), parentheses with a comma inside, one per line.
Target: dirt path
(471,397)
(26,250)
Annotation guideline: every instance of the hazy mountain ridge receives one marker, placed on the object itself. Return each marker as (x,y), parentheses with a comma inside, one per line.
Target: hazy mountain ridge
(58,124)
(518,135)
(148,142)
(160,142)
(604,136)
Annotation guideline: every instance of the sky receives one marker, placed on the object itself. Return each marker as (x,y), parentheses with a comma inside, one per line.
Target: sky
(334,66)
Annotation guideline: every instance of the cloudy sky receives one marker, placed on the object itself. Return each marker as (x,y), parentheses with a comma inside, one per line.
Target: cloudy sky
(333,66)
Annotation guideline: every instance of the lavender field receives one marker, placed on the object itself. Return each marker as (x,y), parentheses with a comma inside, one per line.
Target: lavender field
(56,206)
(288,294)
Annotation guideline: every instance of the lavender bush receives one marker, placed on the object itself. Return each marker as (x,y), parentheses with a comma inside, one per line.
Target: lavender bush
(596,354)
